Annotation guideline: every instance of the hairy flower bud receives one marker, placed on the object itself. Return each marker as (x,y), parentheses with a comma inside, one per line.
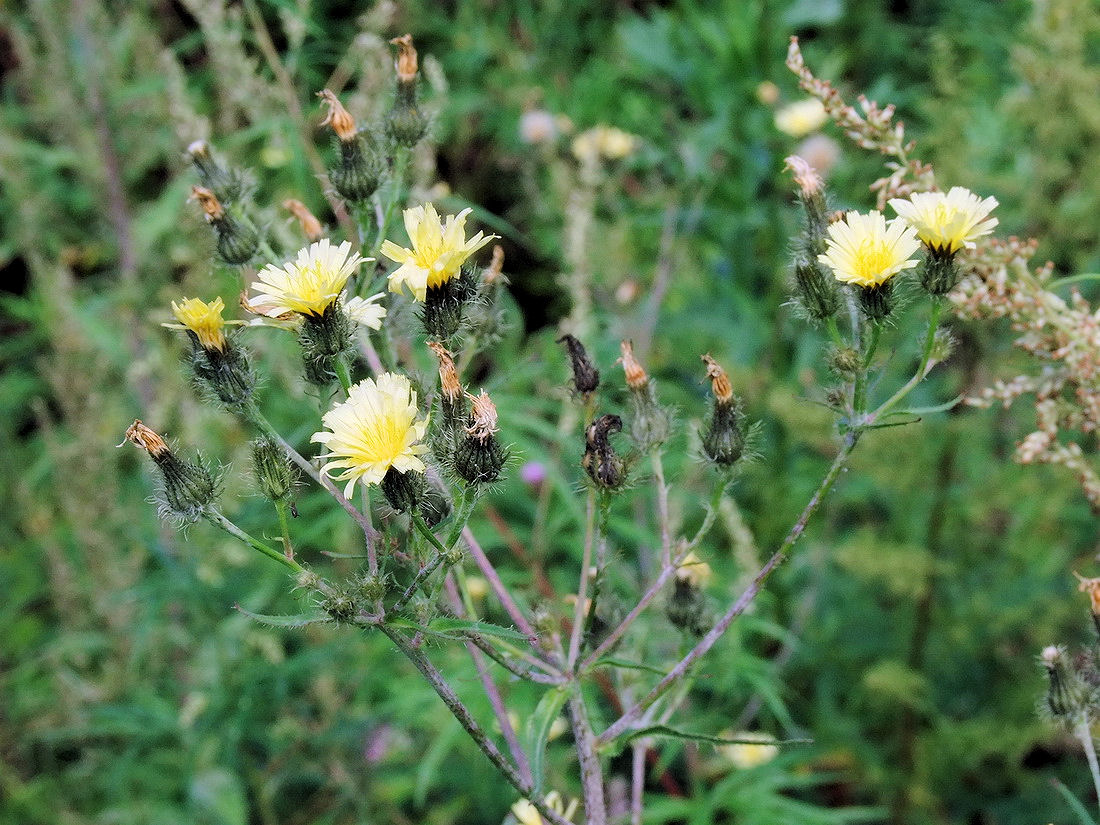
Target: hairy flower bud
(876,301)
(724,437)
(359,171)
(586,378)
(405,123)
(275,475)
(1066,693)
(649,421)
(228,185)
(188,489)
(940,271)
(480,457)
(601,463)
(817,292)
(237,240)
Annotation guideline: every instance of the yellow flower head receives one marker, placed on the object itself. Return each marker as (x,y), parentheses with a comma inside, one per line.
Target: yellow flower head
(203,319)
(754,750)
(603,141)
(309,285)
(366,311)
(438,250)
(800,118)
(694,571)
(375,429)
(867,251)
(947,223)
(527,814)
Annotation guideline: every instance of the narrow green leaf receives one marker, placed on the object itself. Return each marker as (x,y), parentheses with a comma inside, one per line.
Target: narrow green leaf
(300,620)
(457,629)
(665,730)
(537,732)
(612,661)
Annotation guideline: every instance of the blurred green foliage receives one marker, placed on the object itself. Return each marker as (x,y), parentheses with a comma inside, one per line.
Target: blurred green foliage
(902,636)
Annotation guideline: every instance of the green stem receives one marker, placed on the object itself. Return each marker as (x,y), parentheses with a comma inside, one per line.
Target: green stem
(214,517)
(926,353)
(834,331)
(859,394)
(397,188)
(281,508)
(1084,734)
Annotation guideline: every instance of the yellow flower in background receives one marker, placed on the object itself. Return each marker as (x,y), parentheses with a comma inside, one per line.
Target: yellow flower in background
(438,250)
(203,319)
(366,311)
(867,251)
(801,118)
(754,750)
(527,814)
(694,571)
(947,223)
(309,285)
(603,141)
(375,429)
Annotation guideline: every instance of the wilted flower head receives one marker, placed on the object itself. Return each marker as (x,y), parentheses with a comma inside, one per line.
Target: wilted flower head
(438,250)
(209,202)
(311,227)
(1092,587)
(339,118)
(202,319)
(802,117)
(406,62)
(636,377)
(366,311)
(375,429)
(868,251)
(309,285)
(947,223)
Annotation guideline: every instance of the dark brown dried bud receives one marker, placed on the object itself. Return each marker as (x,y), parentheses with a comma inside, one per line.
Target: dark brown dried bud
(586,378)
(600,461)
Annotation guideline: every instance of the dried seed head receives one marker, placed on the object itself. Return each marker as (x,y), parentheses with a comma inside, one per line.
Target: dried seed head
(209,202)
(586,378)
(600,461)
(636,377)
(483,418)
(311,227)
(719,381)
(406,63)
(144,437)
(450,386)
(339,118)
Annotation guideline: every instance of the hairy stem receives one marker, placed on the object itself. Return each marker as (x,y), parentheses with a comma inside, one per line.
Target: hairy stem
(214,517)
(582,588)
(595,809)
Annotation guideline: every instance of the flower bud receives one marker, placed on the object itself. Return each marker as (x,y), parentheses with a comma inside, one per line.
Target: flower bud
(227,372)
(188,489)
(275,475)
(687,607)
(649,423)
(811,194)
(586,378)
(480,457)
(228,185)
(340,605)
(816,291)
(405,123)
(404,491)
(311,227)
(359,171)
(1066,693)
(237,239)
(724,438)
(844,361)
(601,463)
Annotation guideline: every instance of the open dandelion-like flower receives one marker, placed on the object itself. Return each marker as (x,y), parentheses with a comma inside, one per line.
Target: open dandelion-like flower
(366,311)
(947,223)
(309,285)
(202,319)
(868,251)
(376,429)
(438,250)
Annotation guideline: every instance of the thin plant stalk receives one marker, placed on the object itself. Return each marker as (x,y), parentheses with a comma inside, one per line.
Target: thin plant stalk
(582,589)
(1084,734)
